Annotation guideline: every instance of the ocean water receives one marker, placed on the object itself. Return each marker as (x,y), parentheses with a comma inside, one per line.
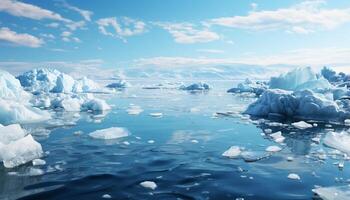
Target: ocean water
(180,151)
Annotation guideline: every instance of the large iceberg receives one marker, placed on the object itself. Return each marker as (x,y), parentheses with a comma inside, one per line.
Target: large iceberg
(46,80)
(299,79)
(299,105)
(14,102)
(17,148)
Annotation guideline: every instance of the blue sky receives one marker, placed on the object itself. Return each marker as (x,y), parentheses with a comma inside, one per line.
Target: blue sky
(158,33)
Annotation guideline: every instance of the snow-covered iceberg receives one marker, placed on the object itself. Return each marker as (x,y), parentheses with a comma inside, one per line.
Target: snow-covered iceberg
(16,147)
(200,86)
(298,105)
(44,80)
(14,102)
(249,86)
(299,79)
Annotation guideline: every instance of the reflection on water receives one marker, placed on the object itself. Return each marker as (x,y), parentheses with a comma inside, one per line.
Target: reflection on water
(184,159)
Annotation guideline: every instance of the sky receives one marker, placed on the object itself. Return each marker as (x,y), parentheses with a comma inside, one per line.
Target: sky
(108,34)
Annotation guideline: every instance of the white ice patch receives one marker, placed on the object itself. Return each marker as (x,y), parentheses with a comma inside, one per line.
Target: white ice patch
(134,110)
(149,185)
(38,162)
(11,133)
(333,193)
(156,114)
(340,141)
(294,176)
(277,137)
(301,125)
(273,149)
(110,133)
(232,152)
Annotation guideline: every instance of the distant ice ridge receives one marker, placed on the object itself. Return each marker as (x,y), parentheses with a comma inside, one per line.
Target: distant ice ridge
(249,86)
(16,147)
(14,102)
(200,86)
(56,90)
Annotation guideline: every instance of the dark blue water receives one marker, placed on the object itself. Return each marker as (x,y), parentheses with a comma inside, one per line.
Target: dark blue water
(80,167)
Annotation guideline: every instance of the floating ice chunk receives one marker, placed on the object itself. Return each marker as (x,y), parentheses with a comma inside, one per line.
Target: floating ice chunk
(253,156)
(340,141)
(195,87)
(194,141)
(273,149)
(156,114)
(11,133)
(20,151)
(106,196)
(268,131)
(37,162)
(150,141)
(294,176)
(249,86)
(277,137)
(121,84)
(149,184)
(347,122)
(302,104)
(134,110)
(301,125)
(96,105)
(35,172)
(110,133)
(232,152)
(333,193)
(290,158)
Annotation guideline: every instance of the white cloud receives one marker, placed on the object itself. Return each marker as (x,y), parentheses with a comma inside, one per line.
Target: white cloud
(68,36)
(22,39)
(21,9)
(86,14)
(187,33)
(301,18)
(53,25)
(75,25)
(123,27)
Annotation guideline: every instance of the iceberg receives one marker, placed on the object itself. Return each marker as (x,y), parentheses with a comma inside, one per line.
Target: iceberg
(340,141)
(110,133)
(195,87)
(299,105)
(20,151)
(121,84)
(11,89)
(249,86)
(299,79)
(45,80)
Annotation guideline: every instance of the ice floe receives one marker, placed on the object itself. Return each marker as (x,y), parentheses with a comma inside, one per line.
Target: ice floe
(149,185)
(17,149)
(200,86)
(273,148)
(340,141)
(333,193)
(301,125)
(232,152)
(110,133)
(293,176)
(134,110)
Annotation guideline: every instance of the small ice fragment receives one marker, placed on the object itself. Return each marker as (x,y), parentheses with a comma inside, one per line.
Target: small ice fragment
(150,141)
(149,184)
(134,110)
(277,137)
(35,172)
(78,133)
(126,143)
(314,125)
(273,149)
(194,141)
(347,122)
(290,158)
(106,196)
(268,131)
(232,152)
(341,165)
(294,176)
(37,162)
(110,133)
(301,125)
(156,114)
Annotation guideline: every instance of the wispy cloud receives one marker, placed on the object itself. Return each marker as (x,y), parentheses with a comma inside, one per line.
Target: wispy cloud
(21,9)
(22,39)
(303,18)
(86,14)
(216,51)
(123,27)
(188,33)
(67,36)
